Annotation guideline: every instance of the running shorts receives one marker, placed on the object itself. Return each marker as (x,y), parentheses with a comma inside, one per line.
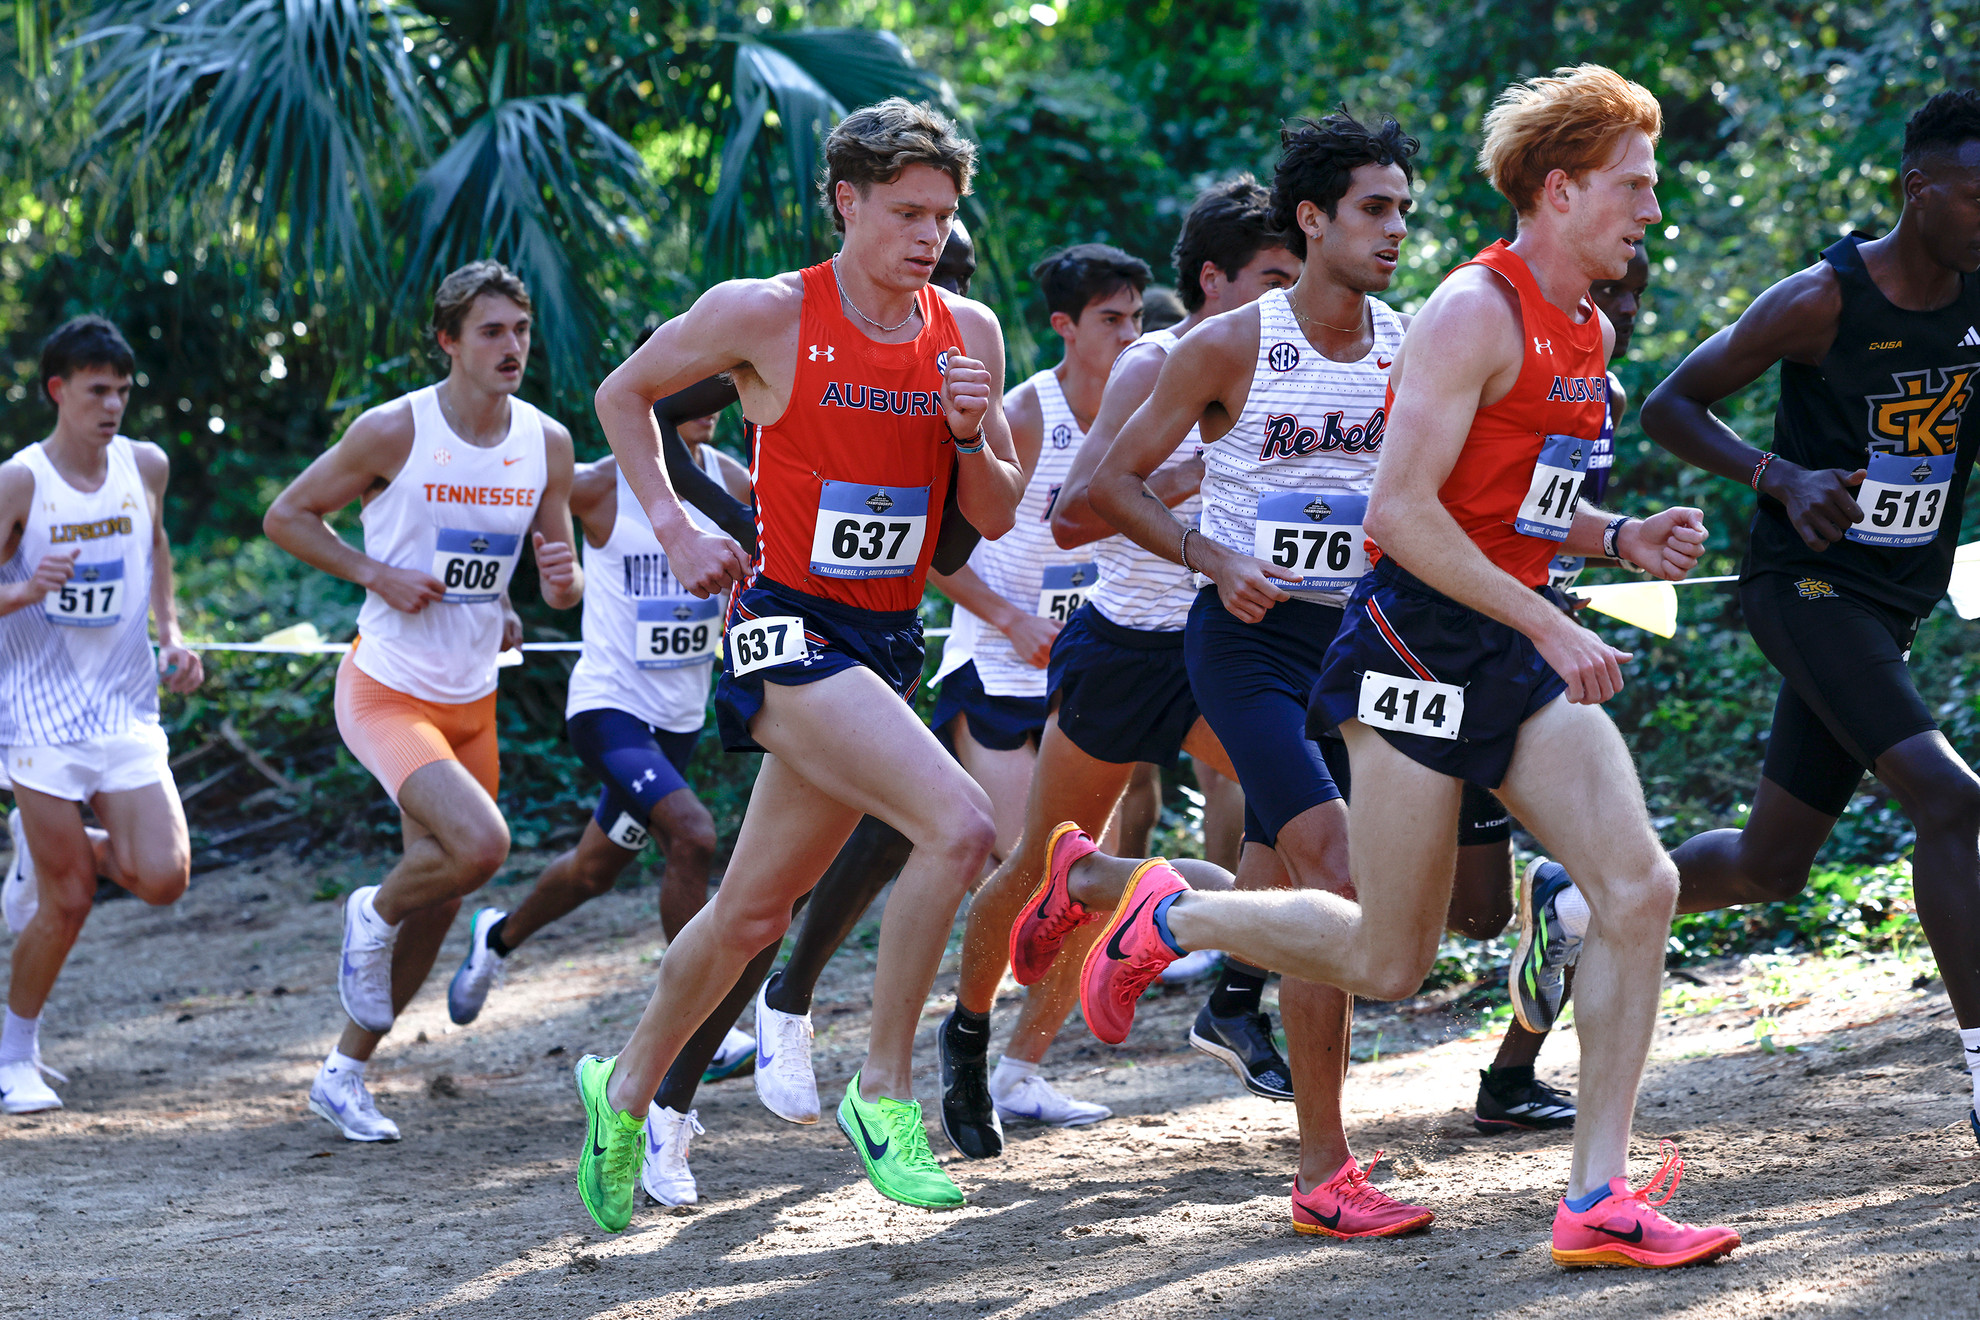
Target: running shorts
(1122,694)
(1003,724)
(393,733)
(78,771)
(1846,692)
(837,637)
(1398,626)
(637,763)
(1252,681)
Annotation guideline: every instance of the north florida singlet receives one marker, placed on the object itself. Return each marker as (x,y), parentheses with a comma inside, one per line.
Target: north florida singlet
(849,481)
(1889,397)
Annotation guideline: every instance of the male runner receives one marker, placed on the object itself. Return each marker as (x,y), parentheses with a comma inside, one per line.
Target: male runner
(864,388)
(83,513)
(1451,667)
(1120,693)
(1859,511)
(452,478)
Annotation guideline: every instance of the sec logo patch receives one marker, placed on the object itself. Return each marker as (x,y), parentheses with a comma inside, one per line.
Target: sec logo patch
(1283,357)
(1061,436)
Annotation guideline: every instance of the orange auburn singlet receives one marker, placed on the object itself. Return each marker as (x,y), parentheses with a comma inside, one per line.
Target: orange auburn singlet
(850,481)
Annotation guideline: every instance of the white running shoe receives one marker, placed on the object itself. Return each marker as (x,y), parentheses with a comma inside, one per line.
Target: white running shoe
(364,972)
(23,1089)
(738,1052)
(481,970)
(1032,1100)
(664,1171)
(342,1098)
(19,898)
(784,1081)
(1192,967)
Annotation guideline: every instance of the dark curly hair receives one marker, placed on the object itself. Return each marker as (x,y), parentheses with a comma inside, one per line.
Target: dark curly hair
(1944,123)
(1228,224)
(1317,158)
(1073,278)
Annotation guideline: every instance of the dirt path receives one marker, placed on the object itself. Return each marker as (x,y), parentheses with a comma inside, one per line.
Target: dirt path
(1816,1103)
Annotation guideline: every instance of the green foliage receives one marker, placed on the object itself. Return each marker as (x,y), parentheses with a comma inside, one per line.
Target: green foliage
(1863,909)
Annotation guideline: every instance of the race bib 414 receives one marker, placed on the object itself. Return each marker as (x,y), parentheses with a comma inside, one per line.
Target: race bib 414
(1551,497)
(1410,705)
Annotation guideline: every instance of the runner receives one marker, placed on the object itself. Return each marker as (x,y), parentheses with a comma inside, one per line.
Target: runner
(452,478)
(1500,366)
(1858,513)
(824,642)
(1119,688)
(84,517)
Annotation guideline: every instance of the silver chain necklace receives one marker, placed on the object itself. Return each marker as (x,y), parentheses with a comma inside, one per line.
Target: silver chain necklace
(847,299)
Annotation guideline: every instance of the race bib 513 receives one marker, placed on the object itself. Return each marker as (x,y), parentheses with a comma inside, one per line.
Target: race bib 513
(1903,500)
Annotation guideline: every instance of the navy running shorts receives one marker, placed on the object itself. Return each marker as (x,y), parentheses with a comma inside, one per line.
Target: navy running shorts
(1252,681)
(1122,694)
(1003,724)
(1846,692)
(638,764)
(1398,626)
(837,637)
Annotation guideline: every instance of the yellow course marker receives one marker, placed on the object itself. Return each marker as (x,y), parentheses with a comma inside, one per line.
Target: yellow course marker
(1651,606)
(296,634)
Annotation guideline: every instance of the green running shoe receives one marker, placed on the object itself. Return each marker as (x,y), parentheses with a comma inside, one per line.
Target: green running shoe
(1537,977)
(893,1146)
(608,1166)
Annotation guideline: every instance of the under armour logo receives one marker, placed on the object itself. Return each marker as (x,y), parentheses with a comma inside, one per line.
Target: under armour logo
(818,353)
(1542,345)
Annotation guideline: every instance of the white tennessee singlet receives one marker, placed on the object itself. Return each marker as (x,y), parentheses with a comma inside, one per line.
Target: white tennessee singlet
(1311,429)
(648,645)
(1025,566)
(79,665)
(463,514)
(1139,589)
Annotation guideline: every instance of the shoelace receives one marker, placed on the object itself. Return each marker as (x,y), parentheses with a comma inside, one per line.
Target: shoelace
(1135,980)
(1054,929)
(793,1047)
(1673,1166)
(905,1122)
(676,1144)
(44,1069)
(1355,1187)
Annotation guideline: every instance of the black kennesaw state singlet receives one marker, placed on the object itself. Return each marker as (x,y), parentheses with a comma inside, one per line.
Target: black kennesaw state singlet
(1889,396)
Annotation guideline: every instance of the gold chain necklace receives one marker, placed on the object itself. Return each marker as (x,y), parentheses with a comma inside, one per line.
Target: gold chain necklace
(1304,319)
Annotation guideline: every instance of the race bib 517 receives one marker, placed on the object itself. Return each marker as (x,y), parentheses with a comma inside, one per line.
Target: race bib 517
(93,597)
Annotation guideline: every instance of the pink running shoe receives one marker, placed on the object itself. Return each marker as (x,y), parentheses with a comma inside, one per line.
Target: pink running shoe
(1624,1229)
(1050,914)
(1346,1206)
(1129,954)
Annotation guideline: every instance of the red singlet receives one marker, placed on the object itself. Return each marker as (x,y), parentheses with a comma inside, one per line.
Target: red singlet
(1562,389)
(850,481)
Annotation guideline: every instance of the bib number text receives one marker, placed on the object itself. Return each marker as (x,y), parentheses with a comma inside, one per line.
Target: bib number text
(762,643)
(1318,536)
(1410,705)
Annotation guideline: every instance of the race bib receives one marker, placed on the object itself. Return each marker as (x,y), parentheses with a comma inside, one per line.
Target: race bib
(771,640)
(1318,536)
(628,833)
(869,531)
(1066,588)
(672,632)
(1410,705)
(1903,500)
(1551,497)
(93,597)
(474,566)
(1562,570)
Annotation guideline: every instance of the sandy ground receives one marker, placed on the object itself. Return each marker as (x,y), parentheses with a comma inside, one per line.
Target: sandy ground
(1817,1103)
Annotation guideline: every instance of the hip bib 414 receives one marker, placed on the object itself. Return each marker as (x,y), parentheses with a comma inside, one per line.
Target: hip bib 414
(868,531)
(1065,589)
(1903,499)
(474,567)
(1410,705)
(672,632)
(93,597)
(1551,497)
(1316,535)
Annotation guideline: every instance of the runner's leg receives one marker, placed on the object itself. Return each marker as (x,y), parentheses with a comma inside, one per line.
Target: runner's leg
(572,879)
(869,861)
(1942,796)
(1005,776)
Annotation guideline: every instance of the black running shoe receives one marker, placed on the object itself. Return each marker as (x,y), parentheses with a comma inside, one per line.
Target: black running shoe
(1973,1117)
(969,1119)
(1520,1103)
(1244,1041)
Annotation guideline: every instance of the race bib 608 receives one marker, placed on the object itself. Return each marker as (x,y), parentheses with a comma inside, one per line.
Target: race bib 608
(474,566)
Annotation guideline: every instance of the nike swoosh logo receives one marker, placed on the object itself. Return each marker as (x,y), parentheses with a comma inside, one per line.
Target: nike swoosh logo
(1382,365)
(652,1146)
(1635,1233)
(763,1056)
(1114,944)
(1324,1221)
(597,1151)
(510,461)
(873,1152)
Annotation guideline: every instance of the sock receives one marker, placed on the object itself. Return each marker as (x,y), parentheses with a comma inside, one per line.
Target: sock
(968,1031)
(774,997)
(1969,1037)
(1582,1204)
(339,1062)
(1572,909)
(1239,986)
(502,950)
(376,926)
(1161,919)
(1009,1073)
(18,1037)
(1509,1079)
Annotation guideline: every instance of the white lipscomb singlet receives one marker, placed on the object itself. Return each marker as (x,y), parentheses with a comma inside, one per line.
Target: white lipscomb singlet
(1025,566)
(1138,588)
(1311,426)
(79,665)
(463,514)
(648,646)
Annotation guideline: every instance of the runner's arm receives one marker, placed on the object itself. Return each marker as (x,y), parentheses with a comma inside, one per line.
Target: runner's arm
(182,669)
(1075,522)
(16,499)
(1794,321)
(595,499)
(557,573)
(725,507)
(368,455)
(992,480)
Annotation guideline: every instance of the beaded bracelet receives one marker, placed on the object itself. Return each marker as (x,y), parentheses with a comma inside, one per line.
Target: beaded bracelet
(1759,468)
(964,447)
